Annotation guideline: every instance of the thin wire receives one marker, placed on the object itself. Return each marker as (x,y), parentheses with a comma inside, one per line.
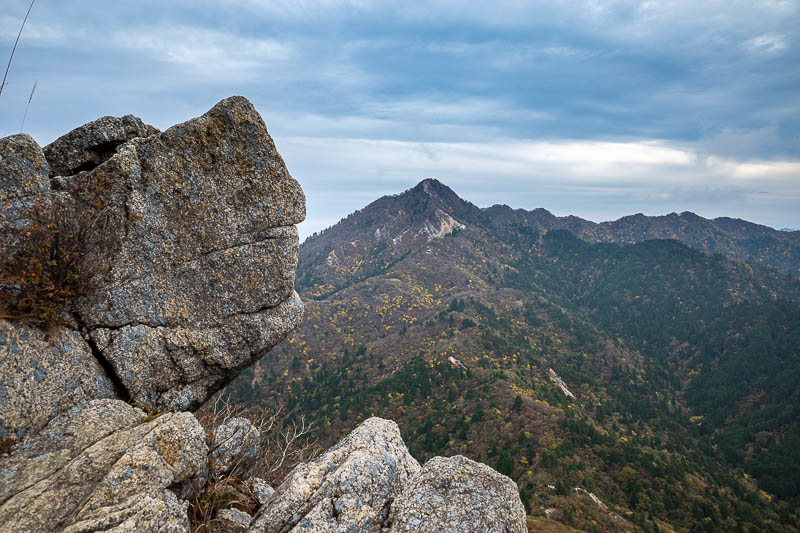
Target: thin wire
(15,46)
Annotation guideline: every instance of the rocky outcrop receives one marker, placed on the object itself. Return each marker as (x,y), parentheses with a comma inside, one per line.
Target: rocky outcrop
(202,283)
(450,495)
(101,466)
(23,184)
(109,466)
(260,489)
(232,521)
(199,283)
(369,482)
(88,146)
(348,488)
(201,261)
(159,512)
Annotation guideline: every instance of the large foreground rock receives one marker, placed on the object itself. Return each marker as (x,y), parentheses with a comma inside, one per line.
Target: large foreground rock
(105,466)
(349,488)
(198,278)
(202,282)
(458,495)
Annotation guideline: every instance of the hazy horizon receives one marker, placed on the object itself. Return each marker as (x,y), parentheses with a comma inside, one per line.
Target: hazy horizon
(305,234)
(593,109)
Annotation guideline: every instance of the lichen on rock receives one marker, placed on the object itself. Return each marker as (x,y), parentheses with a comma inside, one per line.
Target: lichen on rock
(203,282)
(43,377)
(455,494)
(348,488)
(84,464)
(23,183)
(199,284)
(235,448)
(89,145)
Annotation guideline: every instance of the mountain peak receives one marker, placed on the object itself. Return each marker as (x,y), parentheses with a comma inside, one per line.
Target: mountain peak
(431,194)
(435,189)
(429,210)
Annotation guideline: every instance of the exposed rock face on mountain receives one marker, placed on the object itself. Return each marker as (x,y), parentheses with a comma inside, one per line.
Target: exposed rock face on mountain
(199,284)
(401,224)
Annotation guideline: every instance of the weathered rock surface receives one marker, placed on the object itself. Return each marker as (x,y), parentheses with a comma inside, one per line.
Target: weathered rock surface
(42,378)
(91,144)
(23,183)
(201,280)
(260,489)
(348,488)
(157,512)
(202,284)
(232,521)
(104,466)
(456,494)
(369,483)
(23,169)
(235,448)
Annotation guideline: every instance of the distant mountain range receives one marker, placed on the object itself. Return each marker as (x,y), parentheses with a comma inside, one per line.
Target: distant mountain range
(642,374)
(732,237)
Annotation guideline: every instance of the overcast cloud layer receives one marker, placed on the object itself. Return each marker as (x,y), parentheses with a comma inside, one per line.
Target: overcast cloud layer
(598,109)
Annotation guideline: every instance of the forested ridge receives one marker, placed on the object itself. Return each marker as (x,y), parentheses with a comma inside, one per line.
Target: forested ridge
(647,386)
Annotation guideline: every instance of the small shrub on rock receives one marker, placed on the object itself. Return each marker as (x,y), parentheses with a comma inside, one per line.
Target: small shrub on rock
(57,257)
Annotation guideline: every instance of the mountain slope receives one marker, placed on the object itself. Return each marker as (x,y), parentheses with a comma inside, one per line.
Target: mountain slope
(622,387)
(734,238)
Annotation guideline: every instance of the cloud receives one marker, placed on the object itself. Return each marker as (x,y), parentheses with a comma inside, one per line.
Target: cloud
(38,31)
(597,180)
(766,171)
(565,161)
(203,50)
(741,144)
(587,107)
(767,44)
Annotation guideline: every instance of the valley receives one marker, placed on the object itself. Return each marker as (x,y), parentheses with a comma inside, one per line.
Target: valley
(638,384)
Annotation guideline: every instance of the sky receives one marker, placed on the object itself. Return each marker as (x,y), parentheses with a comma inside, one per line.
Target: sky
(592,108)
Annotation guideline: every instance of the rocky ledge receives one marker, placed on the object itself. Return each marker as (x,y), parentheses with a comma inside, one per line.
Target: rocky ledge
(197,284)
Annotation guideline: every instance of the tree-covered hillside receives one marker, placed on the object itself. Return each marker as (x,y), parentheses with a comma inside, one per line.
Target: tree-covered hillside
(647,386)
